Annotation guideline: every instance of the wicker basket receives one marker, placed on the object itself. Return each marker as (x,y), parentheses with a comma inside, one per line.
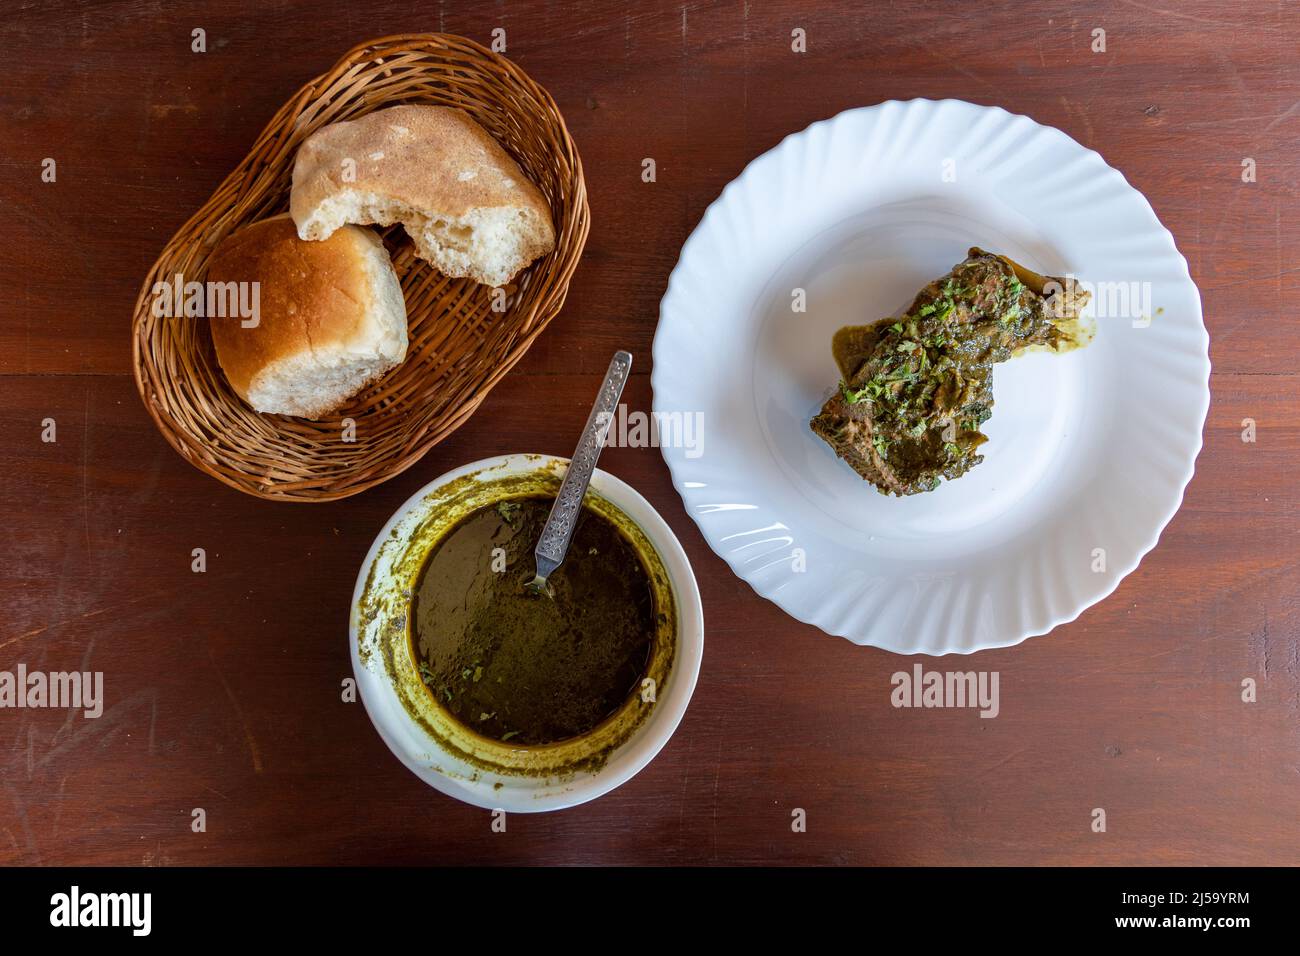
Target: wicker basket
(459,346)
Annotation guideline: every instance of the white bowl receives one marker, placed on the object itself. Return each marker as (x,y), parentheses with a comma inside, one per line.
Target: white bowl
(444,769)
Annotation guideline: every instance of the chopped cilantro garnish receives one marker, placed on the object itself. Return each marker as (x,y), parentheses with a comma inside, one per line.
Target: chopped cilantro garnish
(868,392)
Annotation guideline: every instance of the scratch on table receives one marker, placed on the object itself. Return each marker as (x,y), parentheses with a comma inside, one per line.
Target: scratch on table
(717,772)
(1283,115)
(744,59)
(1250,279)
(1200,198)
(20,814)
(1226,120)
(1221,216)
(1182,646)
(109,737)
(1228,67)
(953,64)
(1249,317)
(1083,115)
(1183,16)
(164,110)
(110,719)
(1098,85)
(58,804)
(686,776)
(1005,760)
(239,712)
(1277,248)
(1293,700)
(71,711)
(85,462)
(1266,644)
(170,595)
(80,617)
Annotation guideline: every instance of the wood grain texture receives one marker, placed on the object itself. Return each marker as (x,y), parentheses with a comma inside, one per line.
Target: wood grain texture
(224,688)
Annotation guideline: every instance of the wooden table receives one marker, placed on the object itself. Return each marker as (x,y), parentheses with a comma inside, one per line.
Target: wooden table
(223,688)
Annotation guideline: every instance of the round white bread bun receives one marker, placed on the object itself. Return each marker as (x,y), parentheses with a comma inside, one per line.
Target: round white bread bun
(465,203)
(331,317)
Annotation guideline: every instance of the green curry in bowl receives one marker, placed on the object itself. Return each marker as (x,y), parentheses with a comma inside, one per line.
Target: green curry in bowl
(506,683)
(515,665)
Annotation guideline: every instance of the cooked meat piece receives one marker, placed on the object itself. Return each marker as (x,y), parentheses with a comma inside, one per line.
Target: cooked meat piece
(916,389)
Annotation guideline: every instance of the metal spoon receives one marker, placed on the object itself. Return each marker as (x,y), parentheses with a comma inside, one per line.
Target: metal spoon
(558,530)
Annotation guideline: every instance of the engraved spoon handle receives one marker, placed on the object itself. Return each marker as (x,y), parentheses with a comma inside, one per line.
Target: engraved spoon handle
(558,531)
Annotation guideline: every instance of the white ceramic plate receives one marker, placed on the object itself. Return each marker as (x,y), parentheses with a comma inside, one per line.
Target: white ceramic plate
(447,772)
(1088,452)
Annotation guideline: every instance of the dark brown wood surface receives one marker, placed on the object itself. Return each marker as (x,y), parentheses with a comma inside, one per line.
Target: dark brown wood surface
(223,688)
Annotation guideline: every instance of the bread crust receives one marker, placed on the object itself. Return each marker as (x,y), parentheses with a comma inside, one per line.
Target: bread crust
(313,297)
(434,159)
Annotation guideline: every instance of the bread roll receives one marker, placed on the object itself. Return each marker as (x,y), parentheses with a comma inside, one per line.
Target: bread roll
(331,317)
(464,202)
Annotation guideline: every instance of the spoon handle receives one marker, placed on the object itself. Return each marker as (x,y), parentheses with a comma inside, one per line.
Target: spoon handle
(558,531)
